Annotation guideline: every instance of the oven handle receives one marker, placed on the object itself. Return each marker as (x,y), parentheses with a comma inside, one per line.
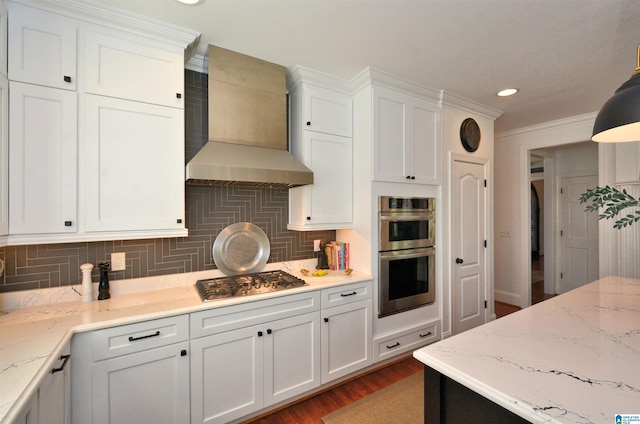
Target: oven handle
(408,253)
(407,217)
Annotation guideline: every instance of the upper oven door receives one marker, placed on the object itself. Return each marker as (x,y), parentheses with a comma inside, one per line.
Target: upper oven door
(406,231)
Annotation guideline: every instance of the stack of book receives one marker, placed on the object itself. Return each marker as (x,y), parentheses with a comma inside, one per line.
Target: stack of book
(338,255)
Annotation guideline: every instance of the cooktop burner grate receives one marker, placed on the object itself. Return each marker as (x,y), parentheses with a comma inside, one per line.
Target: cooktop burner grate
(247,284)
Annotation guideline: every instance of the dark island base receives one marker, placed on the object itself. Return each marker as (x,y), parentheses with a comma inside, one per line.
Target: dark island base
(447,401)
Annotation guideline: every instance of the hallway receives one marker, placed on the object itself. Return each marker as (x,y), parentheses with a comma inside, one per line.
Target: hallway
(537,281)
(537,289)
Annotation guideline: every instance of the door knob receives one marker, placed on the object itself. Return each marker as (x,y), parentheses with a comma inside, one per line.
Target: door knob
(459,261)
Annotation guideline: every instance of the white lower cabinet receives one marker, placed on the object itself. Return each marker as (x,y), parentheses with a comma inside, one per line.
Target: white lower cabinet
(29,413)
(223,363)
(51,402)
(137,373)
(54,393)
(239,372)
(405,341)
(151,386)
(257,354)
(346,330)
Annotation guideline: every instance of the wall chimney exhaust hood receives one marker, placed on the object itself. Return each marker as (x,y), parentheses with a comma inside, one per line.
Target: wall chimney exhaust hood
(247,126)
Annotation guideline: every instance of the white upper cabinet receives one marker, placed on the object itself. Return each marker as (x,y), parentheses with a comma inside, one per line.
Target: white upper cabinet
(42,47)
(42,158)
(4,159)
(327,204)
(128,68)
(134,176)
(96,135)
(321,138)
(405,138)
(327,112)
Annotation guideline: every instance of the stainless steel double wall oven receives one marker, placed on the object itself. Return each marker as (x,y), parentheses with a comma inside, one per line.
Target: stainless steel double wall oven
(406,253)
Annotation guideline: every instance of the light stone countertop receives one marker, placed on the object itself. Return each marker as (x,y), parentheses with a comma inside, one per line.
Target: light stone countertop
(41,322)
(574,358)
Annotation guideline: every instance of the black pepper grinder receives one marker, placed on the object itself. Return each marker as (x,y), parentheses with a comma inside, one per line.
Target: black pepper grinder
(103,287)
(323,260)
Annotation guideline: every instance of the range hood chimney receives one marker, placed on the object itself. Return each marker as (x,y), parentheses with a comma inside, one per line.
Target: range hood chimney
(247,126)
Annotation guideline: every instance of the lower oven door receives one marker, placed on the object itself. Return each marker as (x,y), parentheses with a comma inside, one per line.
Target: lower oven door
(406,280)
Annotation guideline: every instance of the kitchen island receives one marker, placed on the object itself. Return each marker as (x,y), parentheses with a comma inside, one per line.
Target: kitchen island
(574,358)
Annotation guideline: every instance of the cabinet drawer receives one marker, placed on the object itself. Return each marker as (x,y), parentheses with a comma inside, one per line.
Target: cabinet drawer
(229,318)
(346,294)
(390,346)
(127,339)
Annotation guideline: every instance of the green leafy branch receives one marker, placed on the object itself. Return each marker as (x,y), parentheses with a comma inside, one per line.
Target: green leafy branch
(615,201)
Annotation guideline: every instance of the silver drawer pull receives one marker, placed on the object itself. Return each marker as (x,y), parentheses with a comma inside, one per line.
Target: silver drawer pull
(348,294)
(133,339)
(425,335)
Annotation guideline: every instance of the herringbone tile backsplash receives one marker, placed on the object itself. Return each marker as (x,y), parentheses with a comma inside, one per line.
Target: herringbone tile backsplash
(208,211)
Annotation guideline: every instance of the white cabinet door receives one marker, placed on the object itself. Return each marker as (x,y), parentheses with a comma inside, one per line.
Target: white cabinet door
(132,69)
(406,139)
(327,112)
(29,413)
(390,138)
(238,372)
(146,387)
(347,344)
(291,357)
(54,401)
(43,157)
(424,157)
(328,202)
(42,47)
(134,166)
(227,372)
(4,157)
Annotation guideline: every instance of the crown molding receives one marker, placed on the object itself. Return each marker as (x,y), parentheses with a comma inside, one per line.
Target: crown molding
(198,63)
(580,124)
(373,76)
(299,74)
(172,36)
(453,100)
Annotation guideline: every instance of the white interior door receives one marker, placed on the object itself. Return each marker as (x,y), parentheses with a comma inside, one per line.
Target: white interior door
(578,235)
(469,251)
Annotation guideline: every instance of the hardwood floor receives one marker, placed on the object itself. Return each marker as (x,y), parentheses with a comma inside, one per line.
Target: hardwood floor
(312,409)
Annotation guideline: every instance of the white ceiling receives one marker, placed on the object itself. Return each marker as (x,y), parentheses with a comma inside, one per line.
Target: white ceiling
(566,56)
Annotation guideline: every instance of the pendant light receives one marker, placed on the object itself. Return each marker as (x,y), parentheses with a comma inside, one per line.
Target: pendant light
(619,118)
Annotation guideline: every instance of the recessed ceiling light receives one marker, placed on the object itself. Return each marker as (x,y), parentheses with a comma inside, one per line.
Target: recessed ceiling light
(191,2)
(507,92)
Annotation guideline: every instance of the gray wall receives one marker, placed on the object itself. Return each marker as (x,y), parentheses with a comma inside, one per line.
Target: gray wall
(208,211)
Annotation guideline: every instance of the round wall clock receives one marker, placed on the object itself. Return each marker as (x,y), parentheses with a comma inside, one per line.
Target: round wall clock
(470,135)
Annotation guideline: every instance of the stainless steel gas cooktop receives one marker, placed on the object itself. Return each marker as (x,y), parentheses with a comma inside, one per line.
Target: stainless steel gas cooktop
(247,285)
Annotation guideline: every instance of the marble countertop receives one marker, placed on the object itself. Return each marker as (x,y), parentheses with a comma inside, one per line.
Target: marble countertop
(574,358)
(39,324)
